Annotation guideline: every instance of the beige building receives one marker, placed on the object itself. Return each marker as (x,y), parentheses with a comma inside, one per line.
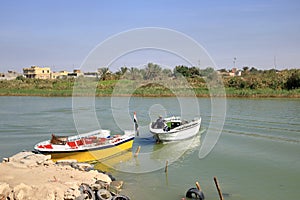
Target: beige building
(59,74)
(37,72)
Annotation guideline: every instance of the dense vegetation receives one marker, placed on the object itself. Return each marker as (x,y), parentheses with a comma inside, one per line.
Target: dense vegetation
(156,81)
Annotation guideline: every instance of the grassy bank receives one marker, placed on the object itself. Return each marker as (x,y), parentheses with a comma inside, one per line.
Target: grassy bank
(262,93)
(35,92)
(63,88)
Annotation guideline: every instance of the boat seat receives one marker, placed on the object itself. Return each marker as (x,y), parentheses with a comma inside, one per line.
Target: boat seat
(72,144)
(102,140)
(79,142)
(88,140)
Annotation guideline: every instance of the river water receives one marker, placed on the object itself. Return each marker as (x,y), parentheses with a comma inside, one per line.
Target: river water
(256,157)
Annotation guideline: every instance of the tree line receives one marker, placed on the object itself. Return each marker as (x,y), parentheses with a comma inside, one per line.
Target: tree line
(288,79)
(250,78)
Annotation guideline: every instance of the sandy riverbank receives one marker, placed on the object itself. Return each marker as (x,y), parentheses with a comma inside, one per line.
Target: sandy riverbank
(34,176)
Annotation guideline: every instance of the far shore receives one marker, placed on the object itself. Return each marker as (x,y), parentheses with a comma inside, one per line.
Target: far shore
(229,94)
(249,84)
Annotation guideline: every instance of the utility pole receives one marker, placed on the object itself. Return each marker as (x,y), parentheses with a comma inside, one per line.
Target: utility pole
(234,60)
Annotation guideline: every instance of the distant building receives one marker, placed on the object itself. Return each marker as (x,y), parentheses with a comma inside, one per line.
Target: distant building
(76,73)
(235,72)
(37,72)
(231,73)
(238,73)
(60,74)
(10,75)
(91,74)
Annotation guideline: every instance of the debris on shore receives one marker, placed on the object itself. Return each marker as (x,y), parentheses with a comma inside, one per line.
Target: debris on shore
(28,175)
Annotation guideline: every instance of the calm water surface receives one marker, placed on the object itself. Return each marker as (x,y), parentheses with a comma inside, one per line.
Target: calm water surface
(256,157)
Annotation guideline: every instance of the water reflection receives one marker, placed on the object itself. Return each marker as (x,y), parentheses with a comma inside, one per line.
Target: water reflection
(111,164)
(152,156)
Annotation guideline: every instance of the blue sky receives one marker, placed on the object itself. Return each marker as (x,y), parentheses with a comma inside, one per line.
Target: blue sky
(60,34)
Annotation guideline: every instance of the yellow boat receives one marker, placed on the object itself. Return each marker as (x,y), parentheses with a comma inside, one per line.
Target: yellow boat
(95,145)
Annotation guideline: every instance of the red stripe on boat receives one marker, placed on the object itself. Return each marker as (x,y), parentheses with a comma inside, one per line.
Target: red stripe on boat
(48,146)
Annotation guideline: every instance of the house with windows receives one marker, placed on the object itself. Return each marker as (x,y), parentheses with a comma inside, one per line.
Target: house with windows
(37,72)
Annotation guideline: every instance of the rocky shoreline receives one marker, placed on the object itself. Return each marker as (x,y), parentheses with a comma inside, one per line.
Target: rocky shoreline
(28,175)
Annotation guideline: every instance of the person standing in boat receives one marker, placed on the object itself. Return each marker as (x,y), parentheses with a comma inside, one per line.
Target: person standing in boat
(160,122)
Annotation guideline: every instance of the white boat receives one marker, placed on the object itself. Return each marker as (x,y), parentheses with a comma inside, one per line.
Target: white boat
(174,128)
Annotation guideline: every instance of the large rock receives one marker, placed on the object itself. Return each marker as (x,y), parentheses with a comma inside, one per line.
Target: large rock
(71,194)
(82,166)
(117,184)
(115,187)
(30,159)
(23,192)
(5,190)
(48,163)
(29,162)
(66,162)
(46,193)
(26,192)
(20,156)
(100,176)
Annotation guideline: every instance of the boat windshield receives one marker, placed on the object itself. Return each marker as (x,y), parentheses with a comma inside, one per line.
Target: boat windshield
(172,125)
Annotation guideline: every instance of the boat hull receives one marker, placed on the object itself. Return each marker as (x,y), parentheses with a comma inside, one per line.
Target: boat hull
(92,154)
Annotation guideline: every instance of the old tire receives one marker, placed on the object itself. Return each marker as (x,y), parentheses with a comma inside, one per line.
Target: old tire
(120,197)
(86,190)
(103,194)
(195,194)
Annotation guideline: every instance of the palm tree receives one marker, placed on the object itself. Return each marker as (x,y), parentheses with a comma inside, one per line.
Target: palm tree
(122,71)
(152,71)
(133,73)
(104,71)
